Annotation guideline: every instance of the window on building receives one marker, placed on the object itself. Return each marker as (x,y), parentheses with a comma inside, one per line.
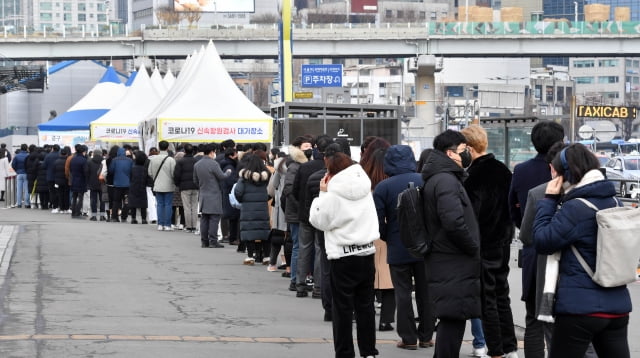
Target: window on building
(382,89)
(549,93)
(611,95)
(82,17)
(636,63)
(68,17)
(45,16)
(422,15)
(46,6)
(560,94)
(58,15)
(411,15)
(584,80)
(100,7)
(400,14)
(608,63)
(583,63)
(388,13)
(82,6)
(91,16)
(66,6)
(434,16)
(102,18)
(628,63)
(455,91)
(636,95)
(538,92)
(608,79)
(636,80)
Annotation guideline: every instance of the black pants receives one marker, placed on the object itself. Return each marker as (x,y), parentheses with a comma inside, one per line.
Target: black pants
(258,250)
(53,195)
(119,195)
(387,298)
(44,199)
(449,340)
(143,214)
(325,276)
(534,330)
(76,203)
(572,335)
(497,318)
(403,278)
(352,287)
(63,197)
(209,229)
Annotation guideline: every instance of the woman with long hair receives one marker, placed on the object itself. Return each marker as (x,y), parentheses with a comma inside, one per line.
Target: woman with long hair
(345,211)
(251,191)
(584,311)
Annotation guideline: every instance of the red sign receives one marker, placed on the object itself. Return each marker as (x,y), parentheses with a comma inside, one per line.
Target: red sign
(364,6)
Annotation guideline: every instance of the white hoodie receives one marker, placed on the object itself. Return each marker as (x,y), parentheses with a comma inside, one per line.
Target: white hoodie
(347,214)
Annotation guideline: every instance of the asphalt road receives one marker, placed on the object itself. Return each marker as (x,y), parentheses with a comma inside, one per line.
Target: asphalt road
(76,288)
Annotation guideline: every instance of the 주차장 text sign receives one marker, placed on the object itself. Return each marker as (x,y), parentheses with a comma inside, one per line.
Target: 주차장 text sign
(321,75)
(606,112)
(207,130)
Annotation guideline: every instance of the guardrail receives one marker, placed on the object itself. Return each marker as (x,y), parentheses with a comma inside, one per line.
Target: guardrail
(452,29)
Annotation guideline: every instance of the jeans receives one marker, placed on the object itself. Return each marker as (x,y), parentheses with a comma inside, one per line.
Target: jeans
(295,229)
(22,194)
(96,202)
(163,208)
(352,287)
(478,334)
(572,335)
(403,278)
(190,204)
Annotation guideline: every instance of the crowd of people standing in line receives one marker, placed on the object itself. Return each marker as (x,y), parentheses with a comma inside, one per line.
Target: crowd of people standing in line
(336,221)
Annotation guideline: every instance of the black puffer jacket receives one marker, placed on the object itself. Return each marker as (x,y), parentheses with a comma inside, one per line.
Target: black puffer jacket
(32,162)
(138,187)
(251,191)
(94,167)
(59,177)
(183,173)
(41,179)
(453,266)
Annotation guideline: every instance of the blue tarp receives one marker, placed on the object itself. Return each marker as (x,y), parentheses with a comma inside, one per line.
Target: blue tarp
(73,120)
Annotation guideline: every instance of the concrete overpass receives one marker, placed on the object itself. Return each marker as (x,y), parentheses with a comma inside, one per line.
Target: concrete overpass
(466,40)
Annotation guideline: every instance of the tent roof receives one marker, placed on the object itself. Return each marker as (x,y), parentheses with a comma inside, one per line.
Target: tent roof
(103,96)
(211,94)
(72,120)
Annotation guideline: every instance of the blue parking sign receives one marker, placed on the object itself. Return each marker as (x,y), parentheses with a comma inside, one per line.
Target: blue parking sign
(321,75)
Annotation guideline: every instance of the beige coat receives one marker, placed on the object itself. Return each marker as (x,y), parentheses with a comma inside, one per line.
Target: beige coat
(383,275)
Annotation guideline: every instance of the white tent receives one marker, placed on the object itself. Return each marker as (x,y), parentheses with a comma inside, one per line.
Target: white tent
(208,106)
(169,79)
(121,122)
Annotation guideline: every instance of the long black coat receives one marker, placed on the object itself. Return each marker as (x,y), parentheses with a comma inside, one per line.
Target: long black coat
(453,265)
(138,187)
(41,179)
(59,177)
(228,211)
(32,162)
(251,191)
(94,166)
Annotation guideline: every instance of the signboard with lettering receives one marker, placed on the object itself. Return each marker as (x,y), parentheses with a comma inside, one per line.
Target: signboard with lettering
(215,6)
(302,95)
(606,112)
(70,138)
(207,130)
(126,132)
(321,75)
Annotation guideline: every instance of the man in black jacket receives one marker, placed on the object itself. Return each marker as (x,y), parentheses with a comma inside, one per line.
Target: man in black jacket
(453,265)
(49,161)
(307,238)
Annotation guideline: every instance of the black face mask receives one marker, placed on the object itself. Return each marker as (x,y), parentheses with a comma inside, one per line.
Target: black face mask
(465,158)
(308,153)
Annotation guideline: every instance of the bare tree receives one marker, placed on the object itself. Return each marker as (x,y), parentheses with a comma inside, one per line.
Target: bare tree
(192,16)
(168,16)
(261,91)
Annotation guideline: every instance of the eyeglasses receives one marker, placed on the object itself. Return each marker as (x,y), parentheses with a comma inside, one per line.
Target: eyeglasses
(466,149)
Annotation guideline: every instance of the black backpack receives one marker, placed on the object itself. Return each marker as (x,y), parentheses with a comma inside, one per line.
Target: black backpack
(413,232)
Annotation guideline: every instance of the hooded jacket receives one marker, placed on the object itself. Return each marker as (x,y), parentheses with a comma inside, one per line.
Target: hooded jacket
(78,173)
(400,166)
(121,166)
(251,191)
(575,224)
(296,158)
(453,265)
(347,215)
(95,166)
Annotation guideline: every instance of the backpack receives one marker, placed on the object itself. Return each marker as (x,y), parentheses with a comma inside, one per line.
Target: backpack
(232,198)
(413,233)
(618,248)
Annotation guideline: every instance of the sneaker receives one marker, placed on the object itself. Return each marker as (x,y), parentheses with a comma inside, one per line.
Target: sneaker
(144,222)
(286,274)
(426,344)
(309,280)
(93,218)
(249,261)
(160,228)
(479,352)
(102,218)
(272,268)
(168,228)
(265,261)
(134,221)
(402,345)
(55,211)
(302,293)
(292,287)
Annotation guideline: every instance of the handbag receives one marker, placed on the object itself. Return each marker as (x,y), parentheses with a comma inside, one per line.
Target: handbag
(277,237)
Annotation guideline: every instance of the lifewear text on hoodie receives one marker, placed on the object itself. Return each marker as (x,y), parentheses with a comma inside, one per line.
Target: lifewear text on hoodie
(360,250)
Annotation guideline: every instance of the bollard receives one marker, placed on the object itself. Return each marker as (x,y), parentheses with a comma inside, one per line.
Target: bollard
(10,192)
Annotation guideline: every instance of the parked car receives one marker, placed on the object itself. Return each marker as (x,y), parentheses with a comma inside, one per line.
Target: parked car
(625,170)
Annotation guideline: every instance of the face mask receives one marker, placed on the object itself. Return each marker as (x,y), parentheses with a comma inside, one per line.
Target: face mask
(465,158)
(308,153)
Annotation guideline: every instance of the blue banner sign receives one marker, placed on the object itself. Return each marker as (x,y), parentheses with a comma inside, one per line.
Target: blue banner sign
(321,75)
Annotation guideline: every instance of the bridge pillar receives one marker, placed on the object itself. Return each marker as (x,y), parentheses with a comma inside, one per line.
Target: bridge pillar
(425,127)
